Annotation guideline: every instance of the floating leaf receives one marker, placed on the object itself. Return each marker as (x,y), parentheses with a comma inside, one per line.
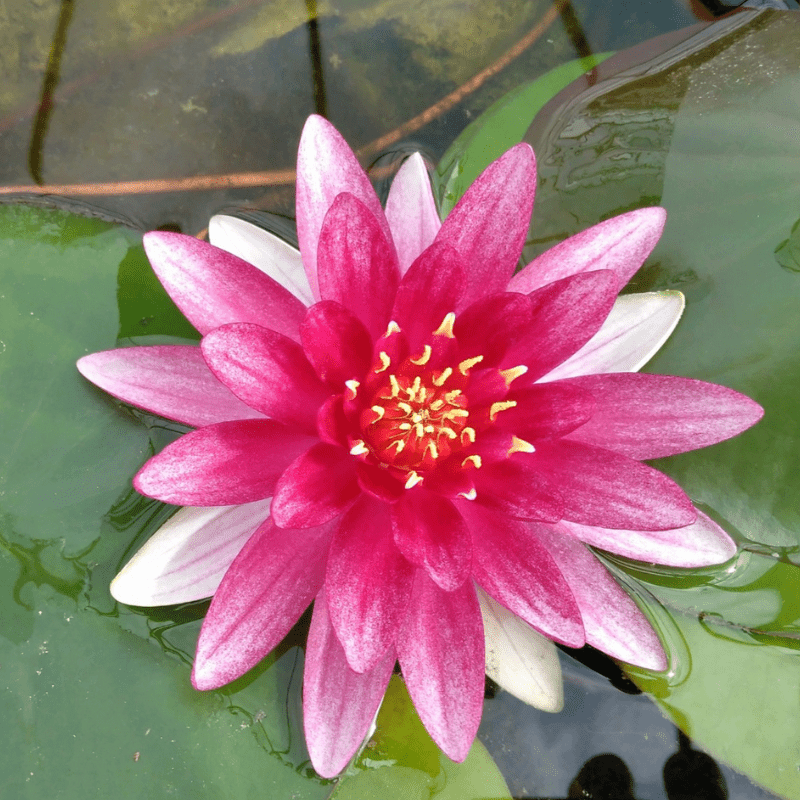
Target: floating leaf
(93,705)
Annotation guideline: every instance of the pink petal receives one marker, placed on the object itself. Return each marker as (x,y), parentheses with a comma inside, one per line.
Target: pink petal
(429,291)
(357,265)
(213,287)
(186,558)
(411,211)
(620,244)
(171,381)
(512,488)
(489,224)
(613,622)
(326,167)
(339,704)
(701,544)
(546,410)
(441,652)
(512,566)
(379,483)
(649,416)
(316,487)
(367,584)
(519,659)
(632,334)
(600,487)
(263,250)
(491,325)
(222,464)
(564,316)
(332,424)
(269,585)
(430,533)
(336,343)
(267,371)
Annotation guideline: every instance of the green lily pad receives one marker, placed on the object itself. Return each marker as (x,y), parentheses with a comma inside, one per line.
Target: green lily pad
(96,699)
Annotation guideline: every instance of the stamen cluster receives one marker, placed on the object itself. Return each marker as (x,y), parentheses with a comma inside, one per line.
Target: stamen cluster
(418,414)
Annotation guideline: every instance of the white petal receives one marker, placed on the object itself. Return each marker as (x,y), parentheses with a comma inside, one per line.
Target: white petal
(411,211)
(633,333)
(187,556)
(520,660)
(263,250)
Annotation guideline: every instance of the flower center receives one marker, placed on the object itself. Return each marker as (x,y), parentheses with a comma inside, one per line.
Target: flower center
(417,418)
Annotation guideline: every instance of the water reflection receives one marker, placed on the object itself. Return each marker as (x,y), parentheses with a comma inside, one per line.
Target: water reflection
(688,775)
(692,775)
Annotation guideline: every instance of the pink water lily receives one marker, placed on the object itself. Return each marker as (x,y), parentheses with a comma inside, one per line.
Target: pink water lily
(395,427)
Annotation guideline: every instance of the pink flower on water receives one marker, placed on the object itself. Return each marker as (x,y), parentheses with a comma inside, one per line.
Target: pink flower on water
(416,441)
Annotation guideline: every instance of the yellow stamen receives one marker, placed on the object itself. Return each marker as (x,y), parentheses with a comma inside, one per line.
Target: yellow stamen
(399,444)
(404,407)
(509,375)
(432,447)
(379,411)
(385,362)
(424,358)
(413,479)
(446,328)
(451,396)
(415,387)
(404,426)
(436,405)
(359,449)
(457,412)
(393,327)
(520,446)
(448,432)
(353,387)
(469,433)
(442,377)
(419,430)
(468,363)
(395,385)
(474,460)
(470,495)
(496,408)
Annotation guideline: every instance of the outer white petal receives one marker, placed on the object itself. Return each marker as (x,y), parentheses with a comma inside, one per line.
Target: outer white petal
(633,333)
(411,211)
(187,556)
(263,250)
(520,660)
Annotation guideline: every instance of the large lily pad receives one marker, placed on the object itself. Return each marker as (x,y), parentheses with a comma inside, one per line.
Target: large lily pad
(96,699)
(708,129)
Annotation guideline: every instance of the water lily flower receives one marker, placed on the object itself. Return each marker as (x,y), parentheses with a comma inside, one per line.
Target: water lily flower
(392,425)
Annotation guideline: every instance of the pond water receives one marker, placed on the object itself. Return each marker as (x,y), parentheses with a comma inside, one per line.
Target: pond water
(162,114)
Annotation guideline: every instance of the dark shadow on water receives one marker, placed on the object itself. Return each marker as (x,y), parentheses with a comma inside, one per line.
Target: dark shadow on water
(688,775)
(49,84)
